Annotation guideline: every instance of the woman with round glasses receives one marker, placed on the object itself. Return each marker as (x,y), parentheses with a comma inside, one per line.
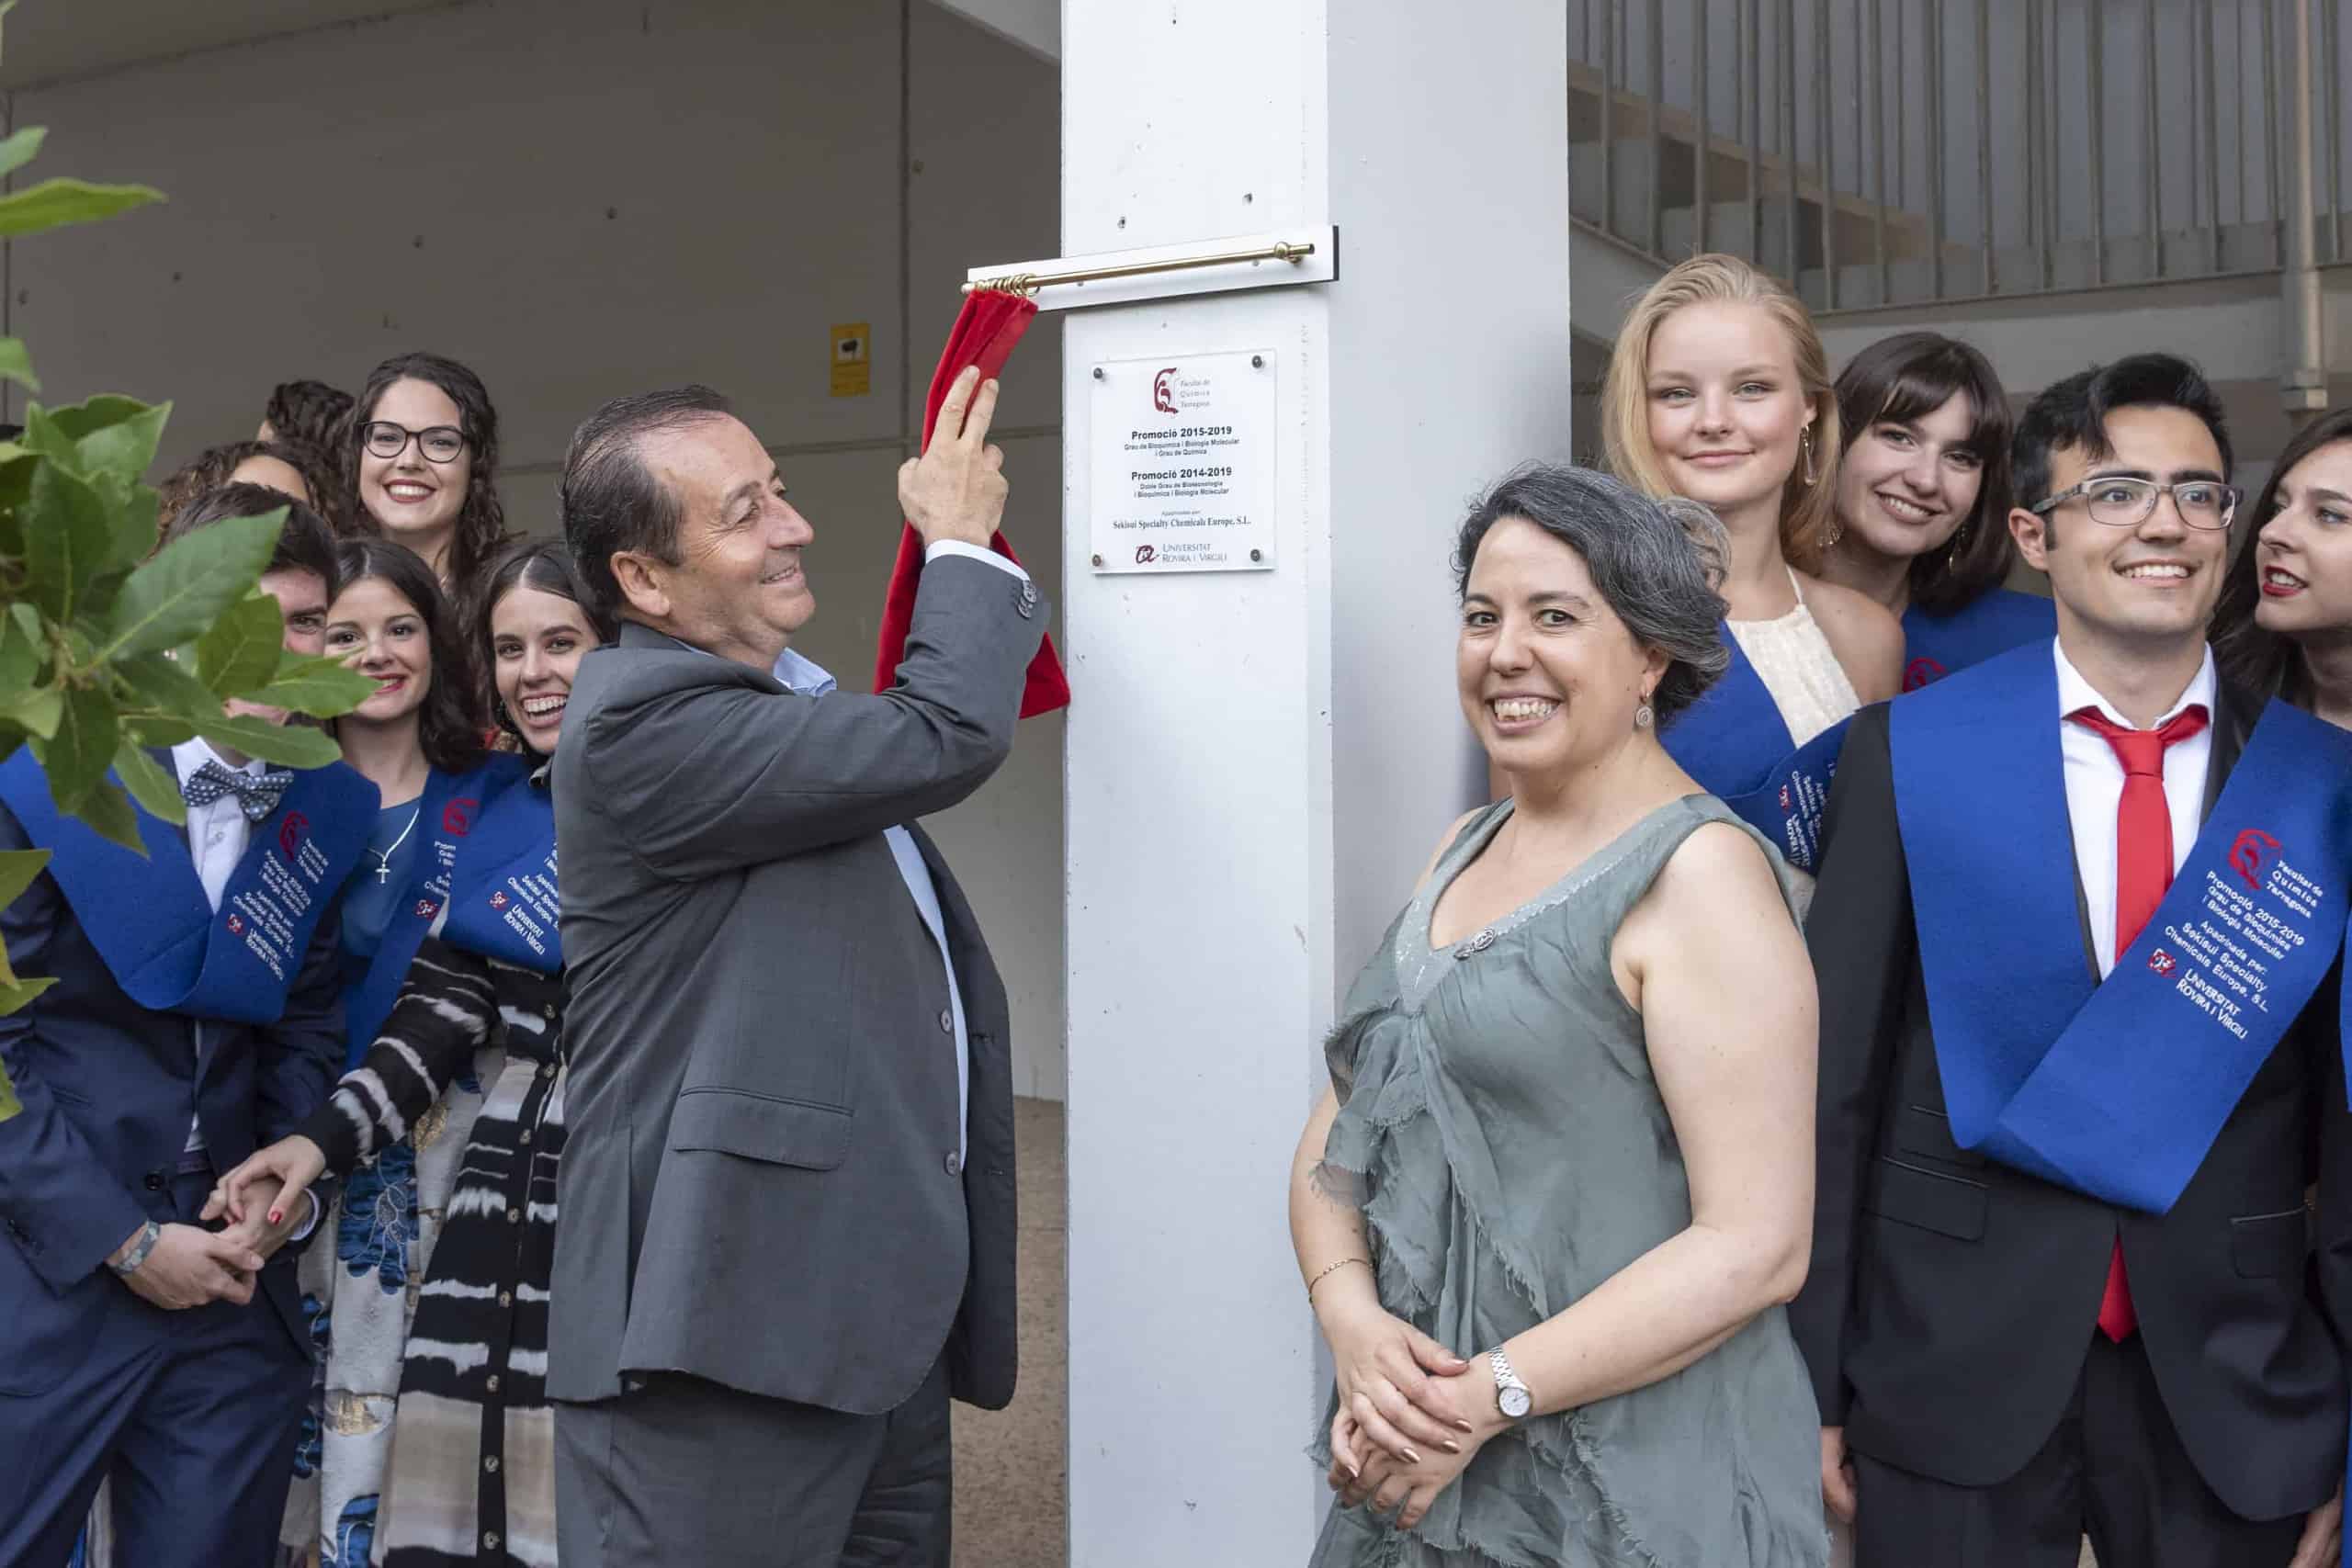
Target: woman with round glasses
(424,459)
(2284,625)
(1923,502)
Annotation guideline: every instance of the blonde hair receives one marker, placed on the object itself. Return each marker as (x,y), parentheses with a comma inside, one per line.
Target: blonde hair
(1807,510)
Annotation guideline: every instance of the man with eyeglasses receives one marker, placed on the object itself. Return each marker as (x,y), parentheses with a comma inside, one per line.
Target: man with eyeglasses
(2062,1279)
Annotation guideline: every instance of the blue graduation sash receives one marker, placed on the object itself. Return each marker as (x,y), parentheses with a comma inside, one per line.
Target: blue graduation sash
(502,901)
(1734,742)
(149,919)
(1935,646)
(446,812)
(2117,1089)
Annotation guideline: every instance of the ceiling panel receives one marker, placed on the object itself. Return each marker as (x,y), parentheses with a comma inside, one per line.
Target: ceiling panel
(47,40)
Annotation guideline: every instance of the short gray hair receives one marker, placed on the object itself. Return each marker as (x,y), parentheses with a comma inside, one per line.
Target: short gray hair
(1659,563)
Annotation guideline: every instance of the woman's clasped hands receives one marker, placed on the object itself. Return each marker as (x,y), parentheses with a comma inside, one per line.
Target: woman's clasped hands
(1408,1420)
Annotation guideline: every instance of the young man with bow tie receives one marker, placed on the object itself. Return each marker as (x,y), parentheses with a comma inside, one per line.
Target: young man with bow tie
(195,1017)
(2074,903)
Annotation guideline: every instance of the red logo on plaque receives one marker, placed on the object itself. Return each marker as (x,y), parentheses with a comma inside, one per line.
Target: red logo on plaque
(236,924)
(2162,963)
(1163,391)
(457,816)
(1921,671)
(290,832)
(1146,555)
(2248,855)
(498,900)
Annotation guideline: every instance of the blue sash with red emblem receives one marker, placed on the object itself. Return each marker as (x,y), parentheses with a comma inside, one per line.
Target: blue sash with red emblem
(1734,742)
(502,899)
(2114,1088)
(446,812)
(161,939)
(1935,646)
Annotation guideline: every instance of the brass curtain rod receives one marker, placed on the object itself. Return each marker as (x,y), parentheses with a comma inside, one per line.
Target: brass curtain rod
(1026,284)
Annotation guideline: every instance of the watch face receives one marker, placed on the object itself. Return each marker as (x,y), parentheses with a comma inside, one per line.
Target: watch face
(1515,1402)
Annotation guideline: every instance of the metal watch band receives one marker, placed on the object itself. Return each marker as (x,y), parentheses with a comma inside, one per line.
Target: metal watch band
(1507,1381)
(148,1237)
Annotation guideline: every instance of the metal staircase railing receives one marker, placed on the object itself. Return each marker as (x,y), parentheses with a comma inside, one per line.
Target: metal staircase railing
(1896,152)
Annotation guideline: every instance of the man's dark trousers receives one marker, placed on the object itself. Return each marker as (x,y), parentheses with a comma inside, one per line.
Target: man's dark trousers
(178,1407)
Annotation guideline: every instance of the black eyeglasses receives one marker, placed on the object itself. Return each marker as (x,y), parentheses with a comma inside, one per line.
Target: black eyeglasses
(2121,503)
(440,444)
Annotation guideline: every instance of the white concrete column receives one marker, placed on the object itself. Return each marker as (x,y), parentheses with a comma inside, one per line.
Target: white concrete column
(1258,763)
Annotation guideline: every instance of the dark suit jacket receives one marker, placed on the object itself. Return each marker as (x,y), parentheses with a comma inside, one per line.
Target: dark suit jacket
(1951,1300)
(107,1090)
(761,1184)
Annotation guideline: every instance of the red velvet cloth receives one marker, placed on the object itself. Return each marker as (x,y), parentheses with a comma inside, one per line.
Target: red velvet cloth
(984,332)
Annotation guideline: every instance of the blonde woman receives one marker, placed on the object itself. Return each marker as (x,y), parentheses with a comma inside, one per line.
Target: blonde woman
(1720,391)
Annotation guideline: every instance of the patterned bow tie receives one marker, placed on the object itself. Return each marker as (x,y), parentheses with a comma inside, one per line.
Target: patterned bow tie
(257,795)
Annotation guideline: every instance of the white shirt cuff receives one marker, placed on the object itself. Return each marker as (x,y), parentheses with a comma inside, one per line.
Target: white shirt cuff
(308,1225)
(958,547)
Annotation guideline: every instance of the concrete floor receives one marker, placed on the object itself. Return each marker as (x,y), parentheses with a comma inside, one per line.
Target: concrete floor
(1013,1465)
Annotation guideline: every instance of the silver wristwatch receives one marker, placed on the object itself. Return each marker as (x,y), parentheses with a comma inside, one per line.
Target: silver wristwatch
(148,1237)
(1512,1397)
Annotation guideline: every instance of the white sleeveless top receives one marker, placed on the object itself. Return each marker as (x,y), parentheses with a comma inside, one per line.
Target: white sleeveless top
(1794,660)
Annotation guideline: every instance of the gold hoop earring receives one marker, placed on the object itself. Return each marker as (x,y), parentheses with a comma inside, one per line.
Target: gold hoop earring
(1812,475)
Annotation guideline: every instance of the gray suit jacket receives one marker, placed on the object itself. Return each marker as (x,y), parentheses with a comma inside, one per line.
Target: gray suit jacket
(760,1183)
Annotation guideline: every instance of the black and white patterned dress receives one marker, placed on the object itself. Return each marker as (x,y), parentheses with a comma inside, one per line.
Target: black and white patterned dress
(472,1474)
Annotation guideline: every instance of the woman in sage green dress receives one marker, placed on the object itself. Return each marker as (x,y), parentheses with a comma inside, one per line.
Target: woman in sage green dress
(1550,1212)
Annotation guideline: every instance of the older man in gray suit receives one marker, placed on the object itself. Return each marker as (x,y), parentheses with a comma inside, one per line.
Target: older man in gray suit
(786,1198)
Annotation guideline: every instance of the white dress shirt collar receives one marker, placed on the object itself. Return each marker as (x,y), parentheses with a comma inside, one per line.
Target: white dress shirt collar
(2075,693)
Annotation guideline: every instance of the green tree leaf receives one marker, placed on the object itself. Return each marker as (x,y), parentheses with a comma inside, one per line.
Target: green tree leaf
(113,434)
(320,687)
(17,869)
(21,655)
(149,784)
(16,364)
(70,543)
(37,709)
(107,810)
(241,649)
(60,201)
(77,755)
(21,148)
(288,745)
(180,593)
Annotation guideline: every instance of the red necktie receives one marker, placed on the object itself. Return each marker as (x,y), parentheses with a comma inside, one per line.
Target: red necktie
(2142,872)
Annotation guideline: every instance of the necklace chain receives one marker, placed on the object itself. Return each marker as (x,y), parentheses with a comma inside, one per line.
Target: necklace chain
(384,860)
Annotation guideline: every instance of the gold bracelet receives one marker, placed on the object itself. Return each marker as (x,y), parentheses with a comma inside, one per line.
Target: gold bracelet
(1343,1263)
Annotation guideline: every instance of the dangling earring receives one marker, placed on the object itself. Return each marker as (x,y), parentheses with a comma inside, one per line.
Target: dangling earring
(1951,556)
(1812,476)
(1833,532)
(1645,716)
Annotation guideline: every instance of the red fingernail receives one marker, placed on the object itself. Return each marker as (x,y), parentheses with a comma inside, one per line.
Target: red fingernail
(275,1216)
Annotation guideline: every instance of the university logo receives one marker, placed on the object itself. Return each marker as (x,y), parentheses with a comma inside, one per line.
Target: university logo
(457,816)
(1146,555)
(2252,849)
(236,924)
(290,832)
(1921,671)
(1163,391)
(426,909)
(1784,797)
(2162,963)
(498,900)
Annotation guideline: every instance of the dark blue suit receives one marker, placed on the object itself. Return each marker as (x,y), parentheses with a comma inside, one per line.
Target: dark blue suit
(194,1413)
